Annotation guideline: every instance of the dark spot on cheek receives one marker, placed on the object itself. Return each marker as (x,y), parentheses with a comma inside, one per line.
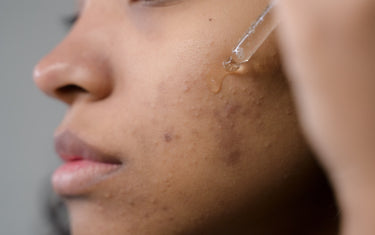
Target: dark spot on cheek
(168,137)
(228,135)
(233,158)
(132,203)
(210,19)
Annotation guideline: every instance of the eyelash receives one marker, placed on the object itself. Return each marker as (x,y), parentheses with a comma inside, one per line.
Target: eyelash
(69,21)
(72,19)
(157,2)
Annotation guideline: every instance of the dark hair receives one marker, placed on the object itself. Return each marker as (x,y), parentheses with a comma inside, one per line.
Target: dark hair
(56,214)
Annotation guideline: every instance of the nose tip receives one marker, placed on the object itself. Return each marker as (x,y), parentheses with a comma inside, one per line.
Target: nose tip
(45,77)
(69,76)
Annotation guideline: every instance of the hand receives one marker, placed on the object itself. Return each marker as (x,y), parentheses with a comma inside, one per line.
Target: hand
(329,52)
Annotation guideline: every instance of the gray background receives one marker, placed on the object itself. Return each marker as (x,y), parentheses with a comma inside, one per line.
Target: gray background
(28,30)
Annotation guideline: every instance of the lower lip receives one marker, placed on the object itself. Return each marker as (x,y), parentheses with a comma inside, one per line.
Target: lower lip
(77,177)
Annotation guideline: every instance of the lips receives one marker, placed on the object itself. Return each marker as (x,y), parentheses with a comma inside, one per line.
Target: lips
(84,166)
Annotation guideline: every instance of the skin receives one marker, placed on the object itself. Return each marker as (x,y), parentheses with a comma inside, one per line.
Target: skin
(196,162)
(329,54)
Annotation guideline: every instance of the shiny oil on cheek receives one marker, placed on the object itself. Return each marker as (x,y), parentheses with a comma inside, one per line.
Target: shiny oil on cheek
(215,80)
(248,45)
(215,83)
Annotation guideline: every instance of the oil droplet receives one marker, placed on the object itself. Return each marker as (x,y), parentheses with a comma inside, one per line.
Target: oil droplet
(215,83)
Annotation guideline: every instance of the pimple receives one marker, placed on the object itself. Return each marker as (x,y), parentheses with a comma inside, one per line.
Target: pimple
(186,86)
(154,201)
(108,196)
(231,109)
(268,145)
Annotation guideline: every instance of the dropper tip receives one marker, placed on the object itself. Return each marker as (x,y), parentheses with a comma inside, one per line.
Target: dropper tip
(230,65)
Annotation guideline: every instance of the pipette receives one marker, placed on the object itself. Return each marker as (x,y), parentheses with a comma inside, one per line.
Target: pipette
(253,38)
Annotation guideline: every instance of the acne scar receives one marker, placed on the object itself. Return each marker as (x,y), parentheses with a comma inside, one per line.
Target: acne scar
(228,136)
(168,137)
(233,158)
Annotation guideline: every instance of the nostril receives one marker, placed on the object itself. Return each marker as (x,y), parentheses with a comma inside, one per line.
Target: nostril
(69,93)
(69,89)
(71,76)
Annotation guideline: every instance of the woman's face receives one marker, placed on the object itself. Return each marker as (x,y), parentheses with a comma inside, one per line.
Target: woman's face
(134,75)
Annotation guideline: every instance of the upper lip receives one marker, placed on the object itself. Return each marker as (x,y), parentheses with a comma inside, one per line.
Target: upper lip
(70,148)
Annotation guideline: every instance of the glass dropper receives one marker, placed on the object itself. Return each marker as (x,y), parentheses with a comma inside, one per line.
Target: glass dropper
(253,38)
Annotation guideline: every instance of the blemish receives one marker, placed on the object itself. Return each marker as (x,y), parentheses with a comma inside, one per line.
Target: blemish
(210,19)
(233,158)
(168,137)
(186,88)
(267,145)
(231,109)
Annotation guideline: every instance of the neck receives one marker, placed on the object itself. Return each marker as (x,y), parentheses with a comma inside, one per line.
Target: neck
(307,208)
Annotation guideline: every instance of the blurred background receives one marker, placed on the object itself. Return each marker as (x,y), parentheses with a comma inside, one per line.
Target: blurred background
(28,30)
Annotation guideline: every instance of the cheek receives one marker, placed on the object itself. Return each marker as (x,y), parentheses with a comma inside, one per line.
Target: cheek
(181,140)
(180,119)
(171,116)
(187,148)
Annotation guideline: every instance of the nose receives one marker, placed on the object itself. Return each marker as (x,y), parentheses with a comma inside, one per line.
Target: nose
(77,69)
